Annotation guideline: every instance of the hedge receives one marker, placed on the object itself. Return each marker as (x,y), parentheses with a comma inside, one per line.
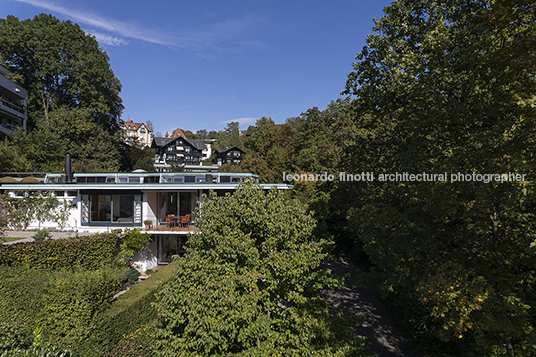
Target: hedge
(63,303)
(130,312)
(89,252)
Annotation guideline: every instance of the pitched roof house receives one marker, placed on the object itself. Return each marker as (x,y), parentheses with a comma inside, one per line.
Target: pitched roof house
(140,131)
(178,151)
(232,155)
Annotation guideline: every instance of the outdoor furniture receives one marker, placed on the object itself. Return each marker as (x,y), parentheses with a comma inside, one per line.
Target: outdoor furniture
(170,221)
(185,220)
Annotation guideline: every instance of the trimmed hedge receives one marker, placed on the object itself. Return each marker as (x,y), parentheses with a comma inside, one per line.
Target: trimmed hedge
(89,252)
(131,312)
(64,303)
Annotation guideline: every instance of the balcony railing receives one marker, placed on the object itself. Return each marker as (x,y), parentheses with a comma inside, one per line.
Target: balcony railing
(12,106)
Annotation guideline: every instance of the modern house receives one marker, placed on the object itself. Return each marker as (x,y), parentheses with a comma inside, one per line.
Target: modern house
(13,98)
(136,131)
(102,202)
(232,155)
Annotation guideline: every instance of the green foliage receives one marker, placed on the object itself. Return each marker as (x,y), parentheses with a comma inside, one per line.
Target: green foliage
(60,66)
(249,283)
(137,156)
(90,252)
(126,325)
(71,131)
(34,206)
(447,87)
(38,349)
(65,303)
(41,234)
(11,159)
(133,241)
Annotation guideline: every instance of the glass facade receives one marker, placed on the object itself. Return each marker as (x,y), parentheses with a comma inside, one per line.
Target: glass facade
(103,208)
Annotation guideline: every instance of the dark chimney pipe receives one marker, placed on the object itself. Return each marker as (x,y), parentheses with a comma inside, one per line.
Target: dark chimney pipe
(68,168)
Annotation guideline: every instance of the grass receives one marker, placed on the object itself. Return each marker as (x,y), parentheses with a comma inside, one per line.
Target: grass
(128,313)
(11,239)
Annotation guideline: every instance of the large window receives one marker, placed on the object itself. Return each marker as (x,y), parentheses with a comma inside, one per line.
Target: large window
(105,209)
(168,246)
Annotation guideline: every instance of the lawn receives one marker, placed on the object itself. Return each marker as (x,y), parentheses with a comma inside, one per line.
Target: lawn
(11,239)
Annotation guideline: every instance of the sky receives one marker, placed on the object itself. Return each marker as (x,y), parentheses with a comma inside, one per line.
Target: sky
(202,64)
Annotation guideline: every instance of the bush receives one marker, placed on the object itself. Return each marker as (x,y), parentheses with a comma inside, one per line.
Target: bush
(41,235)
(118,328)
(64,302)
(91,252)
(37,349)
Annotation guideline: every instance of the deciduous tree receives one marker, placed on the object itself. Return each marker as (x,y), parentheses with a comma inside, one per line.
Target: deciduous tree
(446,87)
(249,283)
(60,66)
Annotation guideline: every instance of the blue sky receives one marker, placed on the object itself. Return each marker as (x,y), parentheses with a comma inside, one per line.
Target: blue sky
(201,64)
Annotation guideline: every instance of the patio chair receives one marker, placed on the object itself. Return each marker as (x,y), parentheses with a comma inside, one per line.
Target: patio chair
(169,220)
(185,220)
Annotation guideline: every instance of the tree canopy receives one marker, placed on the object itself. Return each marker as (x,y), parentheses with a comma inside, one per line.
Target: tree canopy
(60,65)
(447,87)
(249,283)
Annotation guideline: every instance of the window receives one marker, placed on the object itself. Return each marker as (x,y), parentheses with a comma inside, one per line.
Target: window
(168,246)
(123,208)
(106,209)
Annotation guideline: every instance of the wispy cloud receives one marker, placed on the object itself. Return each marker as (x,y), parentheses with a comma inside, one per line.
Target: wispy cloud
(196,39)
(107,39)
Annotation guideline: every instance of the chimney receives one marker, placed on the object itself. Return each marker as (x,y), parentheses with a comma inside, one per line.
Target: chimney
(68,168)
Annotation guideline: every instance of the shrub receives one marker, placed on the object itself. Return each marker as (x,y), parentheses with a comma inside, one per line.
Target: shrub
(91,252)
(64,302)
(41,235)
(37,349)
(129,313)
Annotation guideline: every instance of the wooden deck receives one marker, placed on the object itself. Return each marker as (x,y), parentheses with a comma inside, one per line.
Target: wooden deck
(166,228)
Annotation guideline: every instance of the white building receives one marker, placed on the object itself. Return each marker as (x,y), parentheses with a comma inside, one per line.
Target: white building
(103,202)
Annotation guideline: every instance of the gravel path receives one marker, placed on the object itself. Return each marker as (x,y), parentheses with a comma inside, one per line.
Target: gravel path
(386,339)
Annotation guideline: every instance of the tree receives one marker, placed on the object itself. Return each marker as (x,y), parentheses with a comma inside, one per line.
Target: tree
(234,136)
(249,283)
(69,131)
(19,212)
(60,66)
(10,158)
(446,87)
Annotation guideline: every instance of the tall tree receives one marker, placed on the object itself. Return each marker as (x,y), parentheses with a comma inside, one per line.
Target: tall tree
(69,131)
(249,284)
(447,87)
(60,65)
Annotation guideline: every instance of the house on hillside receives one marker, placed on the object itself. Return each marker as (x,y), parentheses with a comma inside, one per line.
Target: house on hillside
(177,151)
(136,131)
(13,99)
(103,202)
(232,155)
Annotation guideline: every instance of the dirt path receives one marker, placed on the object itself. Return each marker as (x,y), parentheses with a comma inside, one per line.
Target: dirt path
(386,339)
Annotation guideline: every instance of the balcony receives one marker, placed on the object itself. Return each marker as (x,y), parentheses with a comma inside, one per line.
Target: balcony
(12,109)
(166,228)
